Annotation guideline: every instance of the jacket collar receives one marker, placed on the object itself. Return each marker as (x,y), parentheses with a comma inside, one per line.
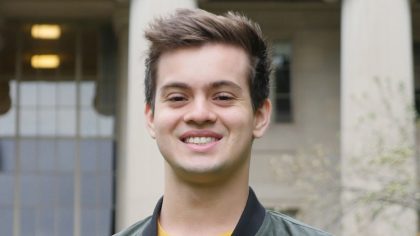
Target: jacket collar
(250,221)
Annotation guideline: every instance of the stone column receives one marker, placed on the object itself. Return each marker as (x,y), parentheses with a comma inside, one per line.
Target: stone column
(140,165)
(120,23)
(377,118)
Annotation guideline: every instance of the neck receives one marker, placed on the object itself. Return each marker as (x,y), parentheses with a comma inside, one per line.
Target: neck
(204,208)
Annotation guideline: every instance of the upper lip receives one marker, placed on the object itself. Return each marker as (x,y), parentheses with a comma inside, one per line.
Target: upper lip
(200,133)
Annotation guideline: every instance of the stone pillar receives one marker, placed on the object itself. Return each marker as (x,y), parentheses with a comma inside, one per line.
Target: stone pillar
(120,23)
(140,165)
(377,119)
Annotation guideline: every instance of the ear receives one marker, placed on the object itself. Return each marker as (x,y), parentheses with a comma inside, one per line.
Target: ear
(148,113)
(262,119)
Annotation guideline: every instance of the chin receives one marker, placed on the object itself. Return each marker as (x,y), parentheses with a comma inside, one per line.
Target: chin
(195,168)
(202,169)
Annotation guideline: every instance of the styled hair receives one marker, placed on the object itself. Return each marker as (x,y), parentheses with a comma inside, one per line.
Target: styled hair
(196,27)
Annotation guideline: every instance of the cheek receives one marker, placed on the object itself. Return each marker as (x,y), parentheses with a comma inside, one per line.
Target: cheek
(165,121)
(240,120)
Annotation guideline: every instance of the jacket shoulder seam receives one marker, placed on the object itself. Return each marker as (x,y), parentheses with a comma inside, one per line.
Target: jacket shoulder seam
(135,228)
(295,222)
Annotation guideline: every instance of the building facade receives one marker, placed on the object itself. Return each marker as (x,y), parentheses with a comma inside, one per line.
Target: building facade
(76,159)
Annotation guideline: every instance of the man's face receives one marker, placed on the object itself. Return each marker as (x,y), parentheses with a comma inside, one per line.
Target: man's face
(203,119)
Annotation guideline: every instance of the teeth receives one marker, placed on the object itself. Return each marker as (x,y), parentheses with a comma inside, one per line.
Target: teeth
(200,140)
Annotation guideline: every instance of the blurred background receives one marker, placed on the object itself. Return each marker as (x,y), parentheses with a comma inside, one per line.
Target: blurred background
(75,158)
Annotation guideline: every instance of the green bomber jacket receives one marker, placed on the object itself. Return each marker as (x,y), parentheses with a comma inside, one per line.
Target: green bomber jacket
(254,221)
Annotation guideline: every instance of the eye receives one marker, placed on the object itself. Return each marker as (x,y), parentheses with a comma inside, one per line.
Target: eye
(176,98)
(224,97)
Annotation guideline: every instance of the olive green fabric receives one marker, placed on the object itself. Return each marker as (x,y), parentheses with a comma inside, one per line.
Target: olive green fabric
(276,224)
(137,229)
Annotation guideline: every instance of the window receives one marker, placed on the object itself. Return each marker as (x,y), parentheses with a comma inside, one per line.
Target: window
(282,82)
(56,145)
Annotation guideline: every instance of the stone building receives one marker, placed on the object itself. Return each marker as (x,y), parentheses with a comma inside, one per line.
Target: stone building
(75,157)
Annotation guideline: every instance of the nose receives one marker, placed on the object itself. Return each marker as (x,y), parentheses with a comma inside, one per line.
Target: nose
(200,112)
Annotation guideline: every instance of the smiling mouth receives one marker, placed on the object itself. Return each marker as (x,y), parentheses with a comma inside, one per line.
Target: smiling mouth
(200,140)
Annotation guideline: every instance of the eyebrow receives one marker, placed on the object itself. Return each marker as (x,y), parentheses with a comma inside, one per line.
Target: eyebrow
(227,83)
(174,85)
(214,85)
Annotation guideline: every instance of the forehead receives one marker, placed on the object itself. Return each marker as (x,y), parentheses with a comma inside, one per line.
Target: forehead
(204,64)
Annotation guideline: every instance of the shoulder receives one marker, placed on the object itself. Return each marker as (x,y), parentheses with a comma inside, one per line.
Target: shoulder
(280,224)
(136,229)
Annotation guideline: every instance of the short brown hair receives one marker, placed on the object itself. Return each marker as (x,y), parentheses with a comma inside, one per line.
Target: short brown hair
(195,27)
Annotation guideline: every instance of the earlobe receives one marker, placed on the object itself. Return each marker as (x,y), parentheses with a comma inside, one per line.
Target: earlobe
(262,119)
(148,113)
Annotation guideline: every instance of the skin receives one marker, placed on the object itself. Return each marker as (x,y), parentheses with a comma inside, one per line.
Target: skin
(203,92)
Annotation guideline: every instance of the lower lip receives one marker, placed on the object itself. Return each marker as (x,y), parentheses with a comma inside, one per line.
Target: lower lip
(202,147)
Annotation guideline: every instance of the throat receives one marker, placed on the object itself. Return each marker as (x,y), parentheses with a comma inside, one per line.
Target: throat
(192,213)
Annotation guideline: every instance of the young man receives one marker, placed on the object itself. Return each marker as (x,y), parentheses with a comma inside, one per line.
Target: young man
(207,89)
